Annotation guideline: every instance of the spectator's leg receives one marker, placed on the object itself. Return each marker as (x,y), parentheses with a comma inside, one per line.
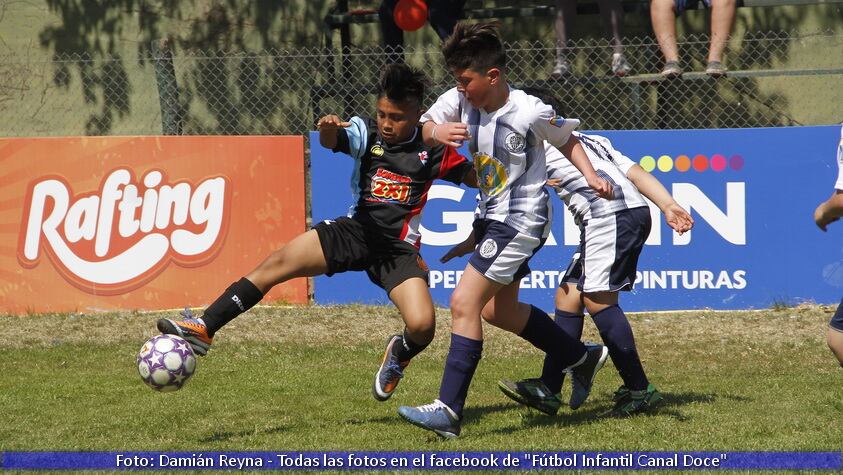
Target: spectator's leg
(722,18)
(566,10)
(393,37)
(444,15)
(611,14)
(663,17)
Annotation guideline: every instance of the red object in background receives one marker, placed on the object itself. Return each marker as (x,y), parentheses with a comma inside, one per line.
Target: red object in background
(410,15)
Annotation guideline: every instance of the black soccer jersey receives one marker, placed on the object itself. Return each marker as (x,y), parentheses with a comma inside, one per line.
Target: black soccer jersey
(390,182)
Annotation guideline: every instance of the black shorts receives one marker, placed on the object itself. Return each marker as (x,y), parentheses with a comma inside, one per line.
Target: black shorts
(607,258)
(837,319)
(349,245)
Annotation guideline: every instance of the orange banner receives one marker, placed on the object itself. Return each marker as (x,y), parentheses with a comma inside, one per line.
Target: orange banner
(101,223)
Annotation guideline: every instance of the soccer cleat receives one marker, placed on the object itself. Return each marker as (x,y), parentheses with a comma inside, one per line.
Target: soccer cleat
(621,397)
(390,372)
(531,393)
(635,402)
(190,328)
(436,417)
(582,375)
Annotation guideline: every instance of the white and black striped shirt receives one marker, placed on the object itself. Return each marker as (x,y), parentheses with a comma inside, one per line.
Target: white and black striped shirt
(507,146)
(610,164)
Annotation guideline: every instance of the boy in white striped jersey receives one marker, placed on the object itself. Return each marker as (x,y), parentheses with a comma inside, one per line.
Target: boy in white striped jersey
(612,234)
(506,130)
(826,213)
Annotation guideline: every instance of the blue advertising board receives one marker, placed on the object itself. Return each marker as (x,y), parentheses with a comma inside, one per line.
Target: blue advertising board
(752,193)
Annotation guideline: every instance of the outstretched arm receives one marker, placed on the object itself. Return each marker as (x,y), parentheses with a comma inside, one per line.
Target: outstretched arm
(448,133)
(829,210)
(676,216)
(460,249)
(574,152)
(328,128)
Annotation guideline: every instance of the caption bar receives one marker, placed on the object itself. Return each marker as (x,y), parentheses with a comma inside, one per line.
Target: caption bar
(420,460)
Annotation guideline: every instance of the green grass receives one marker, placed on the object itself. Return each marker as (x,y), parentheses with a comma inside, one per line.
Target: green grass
(300,379)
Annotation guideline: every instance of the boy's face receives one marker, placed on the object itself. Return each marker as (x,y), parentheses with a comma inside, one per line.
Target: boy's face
(475,85)
(397,120)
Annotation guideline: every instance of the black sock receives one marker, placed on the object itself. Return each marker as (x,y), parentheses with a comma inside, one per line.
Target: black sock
(548,337)
(617,335)
(463,358)
(237,298)
(407,348)
(553,372)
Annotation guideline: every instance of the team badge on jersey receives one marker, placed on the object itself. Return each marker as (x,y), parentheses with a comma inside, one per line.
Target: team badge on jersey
(488,249)
(515,143)
(423,157)
(557,121)
(491,174)
(377,150)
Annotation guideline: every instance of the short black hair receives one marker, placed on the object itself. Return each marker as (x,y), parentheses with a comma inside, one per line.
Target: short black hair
(401,83)
(545,96)
(477,47)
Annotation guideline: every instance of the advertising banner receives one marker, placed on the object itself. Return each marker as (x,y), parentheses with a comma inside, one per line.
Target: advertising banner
(752,193)
(99,223)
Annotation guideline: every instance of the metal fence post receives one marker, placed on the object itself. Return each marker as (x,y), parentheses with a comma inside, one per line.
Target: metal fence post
(168,92)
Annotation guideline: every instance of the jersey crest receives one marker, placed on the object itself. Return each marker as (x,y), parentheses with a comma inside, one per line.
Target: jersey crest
(491,174)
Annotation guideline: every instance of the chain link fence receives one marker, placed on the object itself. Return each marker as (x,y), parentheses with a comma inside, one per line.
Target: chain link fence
(775,79)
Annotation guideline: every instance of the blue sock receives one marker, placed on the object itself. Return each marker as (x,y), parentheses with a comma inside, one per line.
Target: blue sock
(552,372)
(463,357)
(548,337)
(617,336)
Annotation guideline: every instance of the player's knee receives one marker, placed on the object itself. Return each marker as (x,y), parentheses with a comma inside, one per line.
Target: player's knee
(834,341)
(276,260)
(461,304)
(421,330)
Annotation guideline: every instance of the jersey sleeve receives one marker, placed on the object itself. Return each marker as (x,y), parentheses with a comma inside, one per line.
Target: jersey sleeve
(548,126)
(445,109)
(351,140)
(453,166)
(554,161)
(839,184)
(623,162)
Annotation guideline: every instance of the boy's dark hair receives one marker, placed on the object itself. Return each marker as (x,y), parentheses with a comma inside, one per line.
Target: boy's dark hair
(400,83)
(475,46)
(545,96)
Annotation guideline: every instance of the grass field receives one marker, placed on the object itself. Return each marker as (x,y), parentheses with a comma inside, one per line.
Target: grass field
(300,378)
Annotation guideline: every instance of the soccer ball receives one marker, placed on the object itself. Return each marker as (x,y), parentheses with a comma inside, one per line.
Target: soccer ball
(166,362)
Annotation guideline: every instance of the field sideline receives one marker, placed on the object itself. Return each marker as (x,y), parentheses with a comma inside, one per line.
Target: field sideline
(284,378)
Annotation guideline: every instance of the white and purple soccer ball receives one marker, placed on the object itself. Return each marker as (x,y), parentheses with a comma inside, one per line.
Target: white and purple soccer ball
(166,362)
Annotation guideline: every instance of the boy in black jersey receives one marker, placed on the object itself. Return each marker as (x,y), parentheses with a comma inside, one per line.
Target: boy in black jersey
(393,172)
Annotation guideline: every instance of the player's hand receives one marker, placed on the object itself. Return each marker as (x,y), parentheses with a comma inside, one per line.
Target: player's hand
(821,218)
(459,250)
(451,133)
(602,187)
(331,122)
(553,183)
(677,218)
